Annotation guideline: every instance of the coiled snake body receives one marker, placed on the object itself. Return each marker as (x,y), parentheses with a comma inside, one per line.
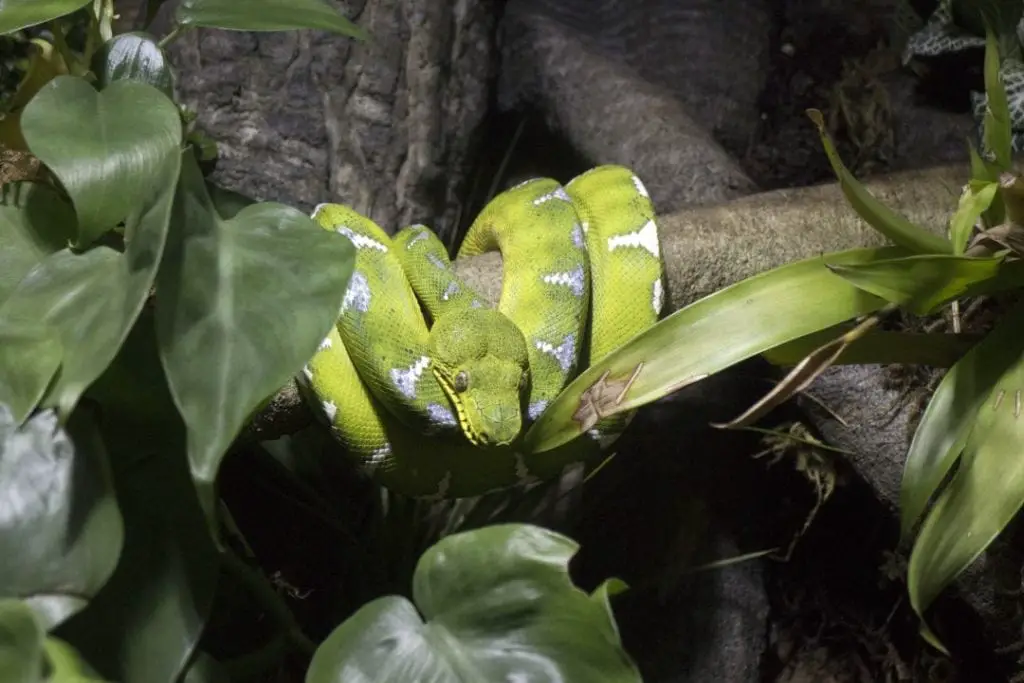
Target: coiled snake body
(437,410)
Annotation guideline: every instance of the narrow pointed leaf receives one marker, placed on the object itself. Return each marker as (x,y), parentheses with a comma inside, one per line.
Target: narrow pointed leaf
(982,172)
(922,282)
(495,604)
(881,347)
(18,14)
(973,203)
(876,214)
(242,304)
(755,315)
(117,153)
(266,15)
(997,127)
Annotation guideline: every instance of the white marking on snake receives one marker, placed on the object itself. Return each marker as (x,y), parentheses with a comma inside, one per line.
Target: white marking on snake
(405,380)
(646,238)
(357,295)
(657,296)
(641,190)
(585,226)
(330,410)
(318,208)
(307,372)
(325,344)
(476,303)
(361,241)
(558,193)
(440,415)
(419,237)
(535,409)
(451,290)
(377,457)
(437,261)
(573,279)
(577,235)
(564,353)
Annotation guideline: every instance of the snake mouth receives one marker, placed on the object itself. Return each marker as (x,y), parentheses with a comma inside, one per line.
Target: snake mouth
(465,424)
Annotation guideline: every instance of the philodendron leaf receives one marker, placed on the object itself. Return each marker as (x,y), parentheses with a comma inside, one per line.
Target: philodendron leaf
(34,223)
(997,133)
(266,15)
(951,414)
(109,149)
(18,14)
(29,358)
(879,216)
(983,495)
(22,657)
(60,528)
(145,624)
(921,283)
(92,299)
(973,203)
(133,57)
(242,304)
(495,604)
(753,315)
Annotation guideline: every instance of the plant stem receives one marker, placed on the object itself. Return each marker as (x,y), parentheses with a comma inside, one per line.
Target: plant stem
(170,37)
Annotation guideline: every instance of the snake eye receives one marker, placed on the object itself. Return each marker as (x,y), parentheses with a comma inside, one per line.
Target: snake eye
(461,381)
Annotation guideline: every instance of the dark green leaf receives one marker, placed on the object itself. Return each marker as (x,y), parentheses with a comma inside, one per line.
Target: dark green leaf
(109,149)
(754,315)
(145,624)
(21,644)
(60,529)
(34,223)
(876,214)
(266,15)
(922,282)
(29,358)
(133,57)
(243,304)
(227,202)
(497,604)
(92,299)
(18,14)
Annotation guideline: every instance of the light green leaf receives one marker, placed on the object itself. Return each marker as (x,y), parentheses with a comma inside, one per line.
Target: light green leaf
(60,528)
(146,622)
(973,203)
(92,299)
(18,14)
(497,604)
(997,133)
(921,283)
(876,214)
(67,665)
(21,644)
(754,315)
(34,223)
(133,57)
(266,15)
(984,494)
(109,149)
(243,304)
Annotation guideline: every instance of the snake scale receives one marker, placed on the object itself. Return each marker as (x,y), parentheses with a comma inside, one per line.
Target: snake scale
(429,387)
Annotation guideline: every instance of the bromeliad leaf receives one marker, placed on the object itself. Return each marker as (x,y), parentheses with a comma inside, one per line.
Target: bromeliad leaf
(242,304)
(879,216)
(973,203)
(755,315)
(922,282)
(18,14)
(937,349)
(60,527)
(997,133)
(477,591)
(117,154)
(266,15)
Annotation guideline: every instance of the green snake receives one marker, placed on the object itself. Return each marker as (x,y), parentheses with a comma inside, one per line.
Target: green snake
(429,387)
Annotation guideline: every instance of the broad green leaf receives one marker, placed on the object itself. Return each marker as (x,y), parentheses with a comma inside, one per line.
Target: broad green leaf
(22,657)
(30,356)
(973,203)
(227,202)
(60,529)
(950,416)
(880,346)
(18,14)
(754,315)
(243,304)
(146,622)
(922,282)
(109,149)
(92,299)
(495,604)
(983,495)
(876,214)
(133,57)
(266,15)
(997,133)
(34,223)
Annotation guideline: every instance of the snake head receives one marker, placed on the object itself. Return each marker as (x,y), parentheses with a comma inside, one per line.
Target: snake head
(479,357)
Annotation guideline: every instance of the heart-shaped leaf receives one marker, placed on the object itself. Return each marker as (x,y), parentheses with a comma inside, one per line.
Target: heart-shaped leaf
(18,14)
(497,604)
(266,15)
(21,643)
(242,304)
(60,529)
(34,223)
(133,57)
(29,358)
(92,299)
(109,149)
